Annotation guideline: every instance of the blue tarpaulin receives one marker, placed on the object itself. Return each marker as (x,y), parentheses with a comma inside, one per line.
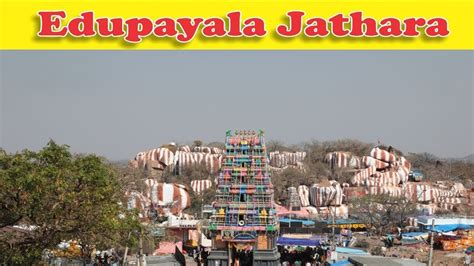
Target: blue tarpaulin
(305,222)
(341,263)
(414,234)
(353,251)
(287,241)
(344,221)
(449,227)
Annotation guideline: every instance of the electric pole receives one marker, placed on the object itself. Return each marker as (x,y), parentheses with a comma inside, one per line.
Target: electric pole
(430,261)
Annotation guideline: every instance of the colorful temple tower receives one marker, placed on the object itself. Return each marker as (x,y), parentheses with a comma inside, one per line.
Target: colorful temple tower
(243,226)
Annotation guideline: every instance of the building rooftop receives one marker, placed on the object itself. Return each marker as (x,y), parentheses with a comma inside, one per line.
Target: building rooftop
(167,260)
(385,261)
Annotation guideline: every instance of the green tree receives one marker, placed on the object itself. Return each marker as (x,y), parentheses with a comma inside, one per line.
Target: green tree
(59,196)
(217,144)
(197,143)
(206,197)
(276,145)
(380,213)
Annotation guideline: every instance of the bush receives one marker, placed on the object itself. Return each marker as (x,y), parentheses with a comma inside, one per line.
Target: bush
(197,143)
(377,251)
(362,244)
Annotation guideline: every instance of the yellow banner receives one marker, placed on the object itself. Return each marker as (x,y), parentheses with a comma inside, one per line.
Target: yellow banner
(236,24)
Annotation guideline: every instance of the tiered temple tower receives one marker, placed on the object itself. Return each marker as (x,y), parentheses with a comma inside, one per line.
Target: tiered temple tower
(243,226)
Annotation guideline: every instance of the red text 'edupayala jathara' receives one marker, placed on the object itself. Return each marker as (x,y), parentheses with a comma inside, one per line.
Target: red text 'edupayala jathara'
(185,29)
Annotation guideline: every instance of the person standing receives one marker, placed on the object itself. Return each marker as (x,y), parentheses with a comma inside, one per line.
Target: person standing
(106,259)
(467,259)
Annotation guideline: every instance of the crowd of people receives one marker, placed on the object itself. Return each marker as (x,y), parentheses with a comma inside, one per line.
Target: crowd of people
(318,255)
(106,258)
(302,256)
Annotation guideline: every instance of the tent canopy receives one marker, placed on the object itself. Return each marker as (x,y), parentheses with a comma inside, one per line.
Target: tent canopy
(287,241)
(305,222)
(449,227)
(341,263)
(351,251)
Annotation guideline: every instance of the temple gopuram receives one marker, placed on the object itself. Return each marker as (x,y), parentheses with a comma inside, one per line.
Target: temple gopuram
(243,226)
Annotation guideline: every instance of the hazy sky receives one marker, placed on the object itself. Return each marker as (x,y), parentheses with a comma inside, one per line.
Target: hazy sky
(119,103)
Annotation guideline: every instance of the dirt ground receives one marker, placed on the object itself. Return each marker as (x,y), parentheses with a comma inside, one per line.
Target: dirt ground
(419,252)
